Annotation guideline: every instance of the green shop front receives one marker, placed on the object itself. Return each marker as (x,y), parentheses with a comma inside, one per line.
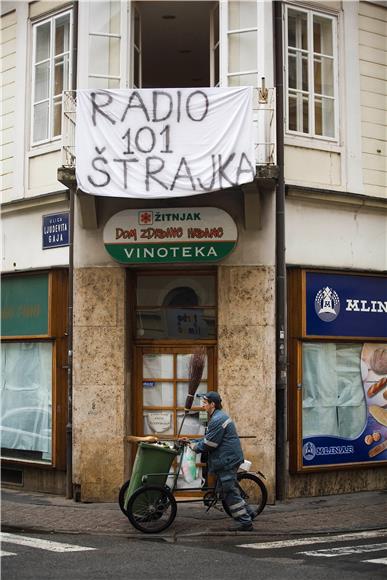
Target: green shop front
(34,379)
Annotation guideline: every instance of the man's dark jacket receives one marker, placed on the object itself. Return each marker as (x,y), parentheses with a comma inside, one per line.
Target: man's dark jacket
(221,442)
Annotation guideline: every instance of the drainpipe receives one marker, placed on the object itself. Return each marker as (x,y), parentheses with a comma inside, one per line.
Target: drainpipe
(281,347)
(69,425)
(73,186)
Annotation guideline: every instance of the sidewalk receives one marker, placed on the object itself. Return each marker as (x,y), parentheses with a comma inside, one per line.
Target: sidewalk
(36,512)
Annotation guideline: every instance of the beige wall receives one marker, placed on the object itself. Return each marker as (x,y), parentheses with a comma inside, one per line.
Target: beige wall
(8,90)
(37,9)
(246,360)
(313,167)
(373,71)
(99,382)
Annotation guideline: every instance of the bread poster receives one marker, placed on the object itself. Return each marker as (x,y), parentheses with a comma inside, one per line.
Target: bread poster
(374,377)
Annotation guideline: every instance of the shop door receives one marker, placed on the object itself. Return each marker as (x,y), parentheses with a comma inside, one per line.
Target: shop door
(162,388)
(162,375)
(175,314)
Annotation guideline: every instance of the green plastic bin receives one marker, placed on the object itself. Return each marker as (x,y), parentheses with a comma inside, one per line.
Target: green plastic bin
(150,458)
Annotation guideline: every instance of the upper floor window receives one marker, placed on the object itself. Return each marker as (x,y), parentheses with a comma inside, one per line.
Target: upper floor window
(51,75)
(311,73)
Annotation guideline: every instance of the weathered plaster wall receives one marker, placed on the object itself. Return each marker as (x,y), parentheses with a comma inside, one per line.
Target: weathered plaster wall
(246,360)
(99,382)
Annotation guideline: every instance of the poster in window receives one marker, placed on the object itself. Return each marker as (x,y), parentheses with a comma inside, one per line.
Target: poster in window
(344,404)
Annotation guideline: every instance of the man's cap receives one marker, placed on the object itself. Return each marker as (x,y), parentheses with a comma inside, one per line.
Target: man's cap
(211,396)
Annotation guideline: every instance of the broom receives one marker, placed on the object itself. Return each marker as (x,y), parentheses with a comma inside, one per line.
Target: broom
(195,372)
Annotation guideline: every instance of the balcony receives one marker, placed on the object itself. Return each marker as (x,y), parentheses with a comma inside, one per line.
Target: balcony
(264,127)
(266,172)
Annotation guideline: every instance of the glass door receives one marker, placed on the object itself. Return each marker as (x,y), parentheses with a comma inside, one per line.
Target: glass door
(162,378)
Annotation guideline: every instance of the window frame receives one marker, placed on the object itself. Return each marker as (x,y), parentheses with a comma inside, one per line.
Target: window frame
(311,134)
(33,63)
(172,274)
(226,33)
(56,335)
(297,336)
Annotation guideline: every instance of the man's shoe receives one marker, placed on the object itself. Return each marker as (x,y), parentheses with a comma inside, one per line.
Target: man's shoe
(241,528)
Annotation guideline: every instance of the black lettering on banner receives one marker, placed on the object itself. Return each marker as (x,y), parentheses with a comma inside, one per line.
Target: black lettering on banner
(150,174)
(211,186)
(166,131)
(178,116)
(94,165)
(156,95)
(188,175)
(140,105)
(222,167)
(127,137)
(152,139)
(125,168)
(188,106)
(97,107)
(249,168)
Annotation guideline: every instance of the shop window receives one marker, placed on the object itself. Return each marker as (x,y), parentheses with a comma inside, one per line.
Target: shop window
(176,307)
(51,75)
(311,73)
(33,373)
(333,401)
(338,370)
(26,414)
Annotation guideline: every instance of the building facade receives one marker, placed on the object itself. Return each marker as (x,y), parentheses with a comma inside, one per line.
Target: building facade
(81,373)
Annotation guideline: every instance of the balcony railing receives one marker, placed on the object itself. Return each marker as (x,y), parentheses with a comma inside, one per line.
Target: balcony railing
(263,118)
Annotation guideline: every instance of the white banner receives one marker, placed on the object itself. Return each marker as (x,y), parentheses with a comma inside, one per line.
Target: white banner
(161,143)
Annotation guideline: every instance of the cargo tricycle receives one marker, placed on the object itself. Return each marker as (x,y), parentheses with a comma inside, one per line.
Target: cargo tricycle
(148,498)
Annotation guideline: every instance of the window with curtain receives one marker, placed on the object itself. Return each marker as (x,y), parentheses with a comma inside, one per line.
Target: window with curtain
(51,75)
(333,397)
(26,410)
(311,72)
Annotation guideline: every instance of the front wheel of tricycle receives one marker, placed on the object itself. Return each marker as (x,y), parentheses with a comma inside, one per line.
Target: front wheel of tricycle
(151,509)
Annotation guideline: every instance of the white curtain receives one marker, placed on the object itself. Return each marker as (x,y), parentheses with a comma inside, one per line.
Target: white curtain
(333,395)
(26,397)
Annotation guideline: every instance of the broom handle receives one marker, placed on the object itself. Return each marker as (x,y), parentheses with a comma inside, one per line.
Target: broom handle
(181,424)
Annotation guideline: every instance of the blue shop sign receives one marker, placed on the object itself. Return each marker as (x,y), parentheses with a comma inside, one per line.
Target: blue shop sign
(55,230)
(346,305)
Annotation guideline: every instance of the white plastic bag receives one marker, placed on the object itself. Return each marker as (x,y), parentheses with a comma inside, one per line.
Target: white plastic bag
(188,466)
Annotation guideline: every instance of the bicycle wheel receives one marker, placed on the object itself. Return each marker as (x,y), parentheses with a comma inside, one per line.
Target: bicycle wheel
(253,491)
(151,509)
(121,497)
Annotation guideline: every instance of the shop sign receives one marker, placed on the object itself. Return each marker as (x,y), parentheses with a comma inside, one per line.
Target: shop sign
(55,230)
(24,305)
(148,143)
(173,235)
(346,305)
(371,443)
(159,422)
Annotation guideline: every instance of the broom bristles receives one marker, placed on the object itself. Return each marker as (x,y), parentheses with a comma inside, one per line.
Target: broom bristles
(195,372)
